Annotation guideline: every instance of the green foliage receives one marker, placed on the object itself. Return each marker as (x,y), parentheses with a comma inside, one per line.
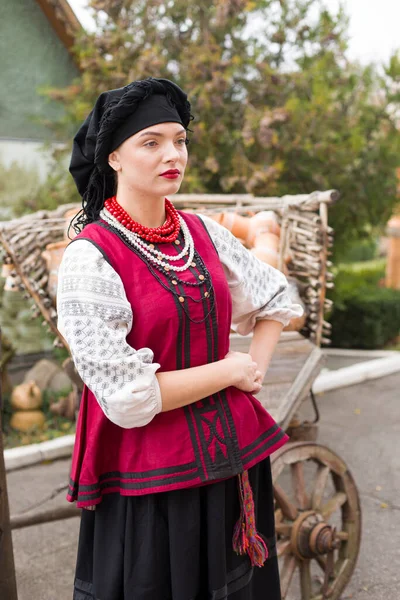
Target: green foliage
(364,315)
(350,278)
(18,186)
(279,108)
(361,250)
(59,187)
(60,355)
(366,319)
(26,334)
(22,192)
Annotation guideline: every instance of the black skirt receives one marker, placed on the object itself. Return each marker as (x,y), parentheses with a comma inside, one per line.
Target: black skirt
(176,545)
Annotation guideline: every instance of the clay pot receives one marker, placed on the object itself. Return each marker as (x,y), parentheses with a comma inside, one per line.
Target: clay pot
(266,247)
(53,255)
(238,225)
(25,420)
(26,396)
(262,222)
(393,253)
(217,217)
(266,240)
(267,255)
(297,323)
(6,270)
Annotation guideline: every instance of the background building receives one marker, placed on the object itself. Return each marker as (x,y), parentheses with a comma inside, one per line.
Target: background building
(35,48)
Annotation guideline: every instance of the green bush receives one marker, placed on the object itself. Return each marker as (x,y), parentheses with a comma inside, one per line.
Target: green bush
(364,315)
(349,278)
(361,250)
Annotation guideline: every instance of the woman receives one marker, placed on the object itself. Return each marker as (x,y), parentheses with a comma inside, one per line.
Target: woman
(171,447)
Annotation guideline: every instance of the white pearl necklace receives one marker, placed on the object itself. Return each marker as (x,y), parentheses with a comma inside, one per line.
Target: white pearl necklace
(148,247)
(155,256)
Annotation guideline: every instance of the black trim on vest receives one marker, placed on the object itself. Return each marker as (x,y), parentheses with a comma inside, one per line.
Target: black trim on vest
(170,471)
(260,439)
(135,485)
(221,398)
(268,443)
(208,233)
(231,463)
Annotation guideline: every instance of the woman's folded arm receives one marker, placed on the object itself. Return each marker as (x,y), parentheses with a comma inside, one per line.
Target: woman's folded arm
(95,317)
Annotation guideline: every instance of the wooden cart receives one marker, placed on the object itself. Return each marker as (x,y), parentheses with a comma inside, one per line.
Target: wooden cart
(317,508)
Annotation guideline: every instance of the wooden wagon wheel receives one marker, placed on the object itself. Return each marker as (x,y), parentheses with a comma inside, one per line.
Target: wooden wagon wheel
(317,520)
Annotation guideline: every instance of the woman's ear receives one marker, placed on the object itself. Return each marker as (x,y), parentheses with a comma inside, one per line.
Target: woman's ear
(113,161)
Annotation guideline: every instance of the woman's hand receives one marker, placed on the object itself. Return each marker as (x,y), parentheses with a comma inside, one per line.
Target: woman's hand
(246,375)
(258,383)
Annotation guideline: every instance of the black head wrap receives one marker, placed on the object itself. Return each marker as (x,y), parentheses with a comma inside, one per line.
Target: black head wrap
(117,115)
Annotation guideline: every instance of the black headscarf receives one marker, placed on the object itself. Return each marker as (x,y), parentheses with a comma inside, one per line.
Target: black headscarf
(117,115)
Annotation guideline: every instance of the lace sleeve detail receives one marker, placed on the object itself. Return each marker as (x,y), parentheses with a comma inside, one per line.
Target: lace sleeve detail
(94,317)
(258,290)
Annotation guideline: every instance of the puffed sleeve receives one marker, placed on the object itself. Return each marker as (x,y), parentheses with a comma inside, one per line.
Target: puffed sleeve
(94,317)
(258,290)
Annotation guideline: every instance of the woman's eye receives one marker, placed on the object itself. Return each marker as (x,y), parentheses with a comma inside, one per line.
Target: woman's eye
(182,141)
(151,144)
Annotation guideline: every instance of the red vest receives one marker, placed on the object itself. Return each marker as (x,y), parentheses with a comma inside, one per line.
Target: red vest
(215,438)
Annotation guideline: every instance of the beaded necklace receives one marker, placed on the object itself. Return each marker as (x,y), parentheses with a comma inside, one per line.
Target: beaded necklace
(155,255)
(156,260)
(168,232)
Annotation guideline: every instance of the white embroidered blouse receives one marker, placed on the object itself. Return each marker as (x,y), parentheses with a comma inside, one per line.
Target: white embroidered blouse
(94,317)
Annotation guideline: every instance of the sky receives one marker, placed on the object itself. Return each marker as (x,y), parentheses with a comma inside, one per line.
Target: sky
(374,27)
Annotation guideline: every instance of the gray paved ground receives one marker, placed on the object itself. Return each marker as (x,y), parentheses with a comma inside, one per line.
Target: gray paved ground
(361,423)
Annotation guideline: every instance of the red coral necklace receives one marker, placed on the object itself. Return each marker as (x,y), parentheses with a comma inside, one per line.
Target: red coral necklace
(168,232)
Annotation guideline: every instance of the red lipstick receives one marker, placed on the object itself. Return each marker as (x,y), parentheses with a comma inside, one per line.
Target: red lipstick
(171,174)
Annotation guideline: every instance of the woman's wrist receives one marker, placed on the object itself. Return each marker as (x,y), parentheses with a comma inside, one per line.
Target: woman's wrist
(228,373)
(266,335)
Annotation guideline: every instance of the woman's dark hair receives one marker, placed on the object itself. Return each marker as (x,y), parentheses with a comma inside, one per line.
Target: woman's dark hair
(95,179)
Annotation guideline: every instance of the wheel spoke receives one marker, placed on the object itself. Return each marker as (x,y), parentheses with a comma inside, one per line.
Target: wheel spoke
(283,547)
(319,486)
(284,529)
(305,580)
(333,505)
(299,484)
(331,493)
(321,561)
(288,569)
(288,509)
(338,577)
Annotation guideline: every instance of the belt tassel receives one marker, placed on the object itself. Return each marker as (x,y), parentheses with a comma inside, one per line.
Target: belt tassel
(245,536)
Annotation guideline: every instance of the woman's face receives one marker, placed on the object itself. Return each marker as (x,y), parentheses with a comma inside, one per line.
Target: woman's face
(152,161)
